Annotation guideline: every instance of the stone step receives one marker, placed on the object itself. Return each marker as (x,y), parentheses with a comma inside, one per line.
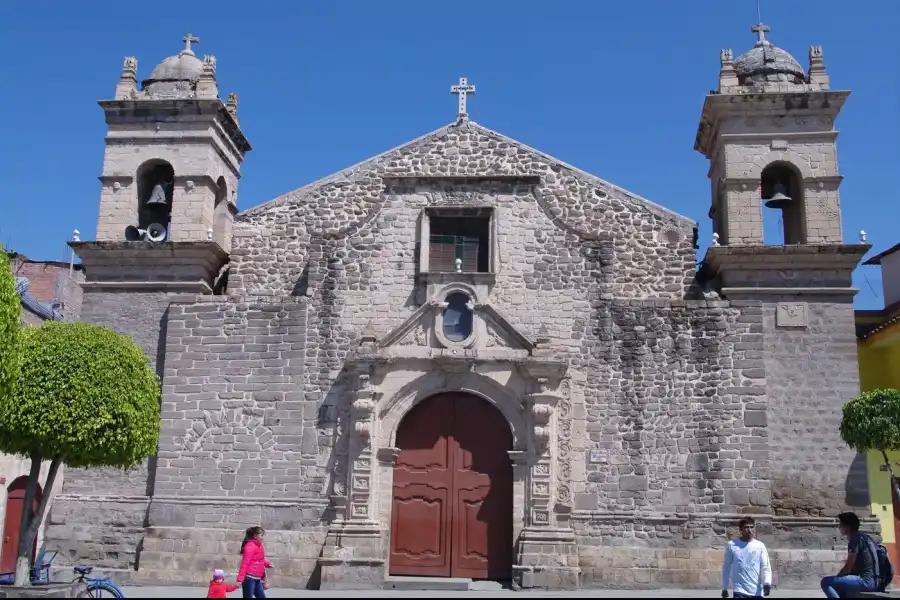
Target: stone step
(458,584)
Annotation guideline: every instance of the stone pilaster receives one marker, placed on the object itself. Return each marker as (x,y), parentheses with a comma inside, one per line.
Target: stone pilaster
(547,556)
(353,556)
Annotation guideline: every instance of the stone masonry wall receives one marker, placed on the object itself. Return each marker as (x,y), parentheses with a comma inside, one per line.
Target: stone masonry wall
(239,444)
(100,514)
(237,420)
(674,443)
(274,242)
(812,371)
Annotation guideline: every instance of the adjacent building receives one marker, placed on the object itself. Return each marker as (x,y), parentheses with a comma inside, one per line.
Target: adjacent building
(878,332)
(49,291)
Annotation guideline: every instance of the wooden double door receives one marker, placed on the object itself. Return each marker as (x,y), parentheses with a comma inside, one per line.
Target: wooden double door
(452,508)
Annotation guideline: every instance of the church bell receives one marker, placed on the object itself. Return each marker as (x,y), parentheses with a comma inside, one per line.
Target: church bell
(779,198)
(157,196)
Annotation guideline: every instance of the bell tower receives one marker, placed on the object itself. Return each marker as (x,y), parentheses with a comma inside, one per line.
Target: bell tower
(168,192)
(768,132)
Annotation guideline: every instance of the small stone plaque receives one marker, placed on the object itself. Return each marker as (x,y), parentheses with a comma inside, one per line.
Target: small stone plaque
(791,314)
(599,455)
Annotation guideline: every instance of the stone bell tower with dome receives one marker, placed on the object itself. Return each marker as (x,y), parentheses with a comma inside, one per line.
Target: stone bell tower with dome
(168,196)
(768,132)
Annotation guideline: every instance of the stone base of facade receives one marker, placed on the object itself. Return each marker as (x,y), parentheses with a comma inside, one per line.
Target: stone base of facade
(547,559)
(105,532)
(181,541)
(353,557)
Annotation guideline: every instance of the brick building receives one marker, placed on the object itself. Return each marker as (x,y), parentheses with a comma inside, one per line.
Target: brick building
(49,290)
(464,358)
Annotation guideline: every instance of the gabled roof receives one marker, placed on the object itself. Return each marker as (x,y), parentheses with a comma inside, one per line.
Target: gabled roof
(377,163)
(876,260)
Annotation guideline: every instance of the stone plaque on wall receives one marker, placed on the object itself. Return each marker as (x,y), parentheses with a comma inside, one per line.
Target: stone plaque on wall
(599,455)
(791,314)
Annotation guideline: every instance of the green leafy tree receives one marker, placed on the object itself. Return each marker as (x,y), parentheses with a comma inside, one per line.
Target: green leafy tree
(871,421)
(10,313)
(86,397)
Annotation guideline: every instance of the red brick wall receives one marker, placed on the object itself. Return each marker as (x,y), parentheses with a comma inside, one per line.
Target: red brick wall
(43,276)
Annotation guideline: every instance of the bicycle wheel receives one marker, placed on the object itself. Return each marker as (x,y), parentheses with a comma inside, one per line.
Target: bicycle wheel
(103,589)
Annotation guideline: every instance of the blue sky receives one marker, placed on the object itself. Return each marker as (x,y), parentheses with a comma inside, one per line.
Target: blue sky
(612,87)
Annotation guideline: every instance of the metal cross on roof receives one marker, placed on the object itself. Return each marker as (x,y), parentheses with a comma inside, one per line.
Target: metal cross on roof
(187,43)
(461,89)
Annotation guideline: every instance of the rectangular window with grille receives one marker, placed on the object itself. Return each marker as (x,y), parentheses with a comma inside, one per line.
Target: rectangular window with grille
(466,238)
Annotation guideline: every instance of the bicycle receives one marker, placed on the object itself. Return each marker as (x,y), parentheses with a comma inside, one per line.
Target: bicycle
(95,587)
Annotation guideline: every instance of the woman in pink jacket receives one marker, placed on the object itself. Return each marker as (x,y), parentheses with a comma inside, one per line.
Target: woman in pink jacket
(252,573)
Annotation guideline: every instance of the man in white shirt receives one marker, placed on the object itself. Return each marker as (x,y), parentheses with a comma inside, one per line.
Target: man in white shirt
(746,565)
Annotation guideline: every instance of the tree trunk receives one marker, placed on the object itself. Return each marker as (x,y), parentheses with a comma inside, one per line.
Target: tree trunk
(23,556)
(895,484)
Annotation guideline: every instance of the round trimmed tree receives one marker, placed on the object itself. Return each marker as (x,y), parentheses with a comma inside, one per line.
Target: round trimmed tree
(10,313)
(871,421)
(86,397)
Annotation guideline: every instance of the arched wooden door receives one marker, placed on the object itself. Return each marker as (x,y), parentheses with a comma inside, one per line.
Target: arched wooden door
(12,519)
(452,508)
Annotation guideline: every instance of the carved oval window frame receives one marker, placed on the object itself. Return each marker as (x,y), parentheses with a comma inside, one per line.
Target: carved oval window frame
(470,340)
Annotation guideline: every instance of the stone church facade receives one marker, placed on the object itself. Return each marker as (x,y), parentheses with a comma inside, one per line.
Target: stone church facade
(464,358)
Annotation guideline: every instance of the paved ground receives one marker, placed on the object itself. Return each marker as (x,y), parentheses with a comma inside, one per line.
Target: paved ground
(200,592)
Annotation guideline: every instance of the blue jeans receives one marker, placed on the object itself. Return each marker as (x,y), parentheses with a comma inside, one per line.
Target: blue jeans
(845,586)
(253,588)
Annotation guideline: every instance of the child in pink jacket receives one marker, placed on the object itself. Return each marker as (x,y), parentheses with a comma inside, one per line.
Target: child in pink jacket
(252,574)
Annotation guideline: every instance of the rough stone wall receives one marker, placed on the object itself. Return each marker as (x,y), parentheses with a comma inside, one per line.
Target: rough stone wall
(675,438)
(674,407)
(653,246)
(812,371)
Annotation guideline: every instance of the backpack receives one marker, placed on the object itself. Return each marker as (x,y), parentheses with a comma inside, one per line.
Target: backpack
(884,571)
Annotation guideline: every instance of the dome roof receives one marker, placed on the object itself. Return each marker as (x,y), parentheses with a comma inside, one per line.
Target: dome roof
(176,76)
(765,62)
(184,67)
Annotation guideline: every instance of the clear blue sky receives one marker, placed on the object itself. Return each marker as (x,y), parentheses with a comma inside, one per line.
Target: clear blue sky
(612,87)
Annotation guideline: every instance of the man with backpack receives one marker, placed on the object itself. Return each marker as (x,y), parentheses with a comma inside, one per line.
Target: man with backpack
(867,568)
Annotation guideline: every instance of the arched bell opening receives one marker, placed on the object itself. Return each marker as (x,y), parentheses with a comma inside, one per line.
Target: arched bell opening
(155,187)
(782,189)
(222,217)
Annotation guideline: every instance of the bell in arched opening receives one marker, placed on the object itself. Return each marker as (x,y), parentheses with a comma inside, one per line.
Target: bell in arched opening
(777,189)
(779,197)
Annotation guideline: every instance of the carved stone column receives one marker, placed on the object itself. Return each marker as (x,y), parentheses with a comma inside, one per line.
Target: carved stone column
(547,556)
(362,411)
(541,404)
(353,555)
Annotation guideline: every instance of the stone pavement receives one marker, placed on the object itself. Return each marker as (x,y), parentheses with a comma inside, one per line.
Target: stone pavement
(200,592)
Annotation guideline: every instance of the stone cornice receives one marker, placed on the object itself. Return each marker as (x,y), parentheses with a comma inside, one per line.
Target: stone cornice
(829,135)
(717,106)
(752,182)
(733,292)
(390,179)
(127,111)
(793,257)
(173,266)
(172,287)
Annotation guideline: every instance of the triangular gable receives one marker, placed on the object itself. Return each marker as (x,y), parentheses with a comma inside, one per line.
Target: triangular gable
(380,166)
